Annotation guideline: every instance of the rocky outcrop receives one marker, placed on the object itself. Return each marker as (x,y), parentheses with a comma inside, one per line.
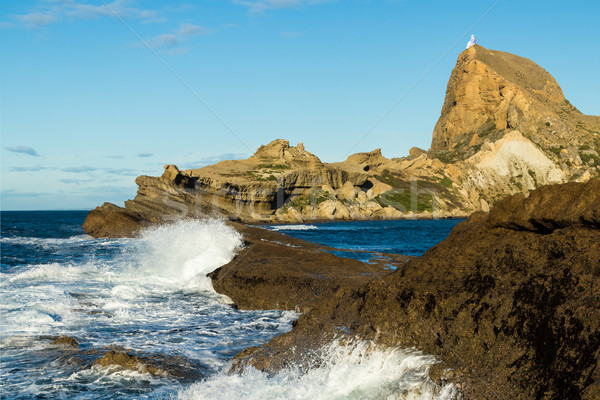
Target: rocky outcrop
(509,302)
(118,358)
(274,271)
(505,128)
(492,91)
(67,351)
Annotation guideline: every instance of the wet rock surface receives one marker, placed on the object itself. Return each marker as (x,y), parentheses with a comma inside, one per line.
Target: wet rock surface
(274,271)
(154,364)
(510,302)
(67,350)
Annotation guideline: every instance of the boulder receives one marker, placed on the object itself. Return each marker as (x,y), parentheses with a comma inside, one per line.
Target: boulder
(415,152)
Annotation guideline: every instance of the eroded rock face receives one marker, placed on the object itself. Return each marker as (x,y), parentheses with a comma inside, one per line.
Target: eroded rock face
(492,90)
(505,128)
(509,301)
(109,220)
(274,271)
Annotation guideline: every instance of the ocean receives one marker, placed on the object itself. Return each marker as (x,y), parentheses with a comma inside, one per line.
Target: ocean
(149,296)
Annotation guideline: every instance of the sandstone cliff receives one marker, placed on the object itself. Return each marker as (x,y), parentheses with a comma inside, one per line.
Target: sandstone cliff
(505,128)
(492,91)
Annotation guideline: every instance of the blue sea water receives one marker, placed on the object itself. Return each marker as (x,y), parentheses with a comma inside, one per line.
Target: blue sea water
(407,237)
(150,295)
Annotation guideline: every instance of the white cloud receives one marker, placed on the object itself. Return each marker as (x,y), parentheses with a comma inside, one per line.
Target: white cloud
(6,25)
(53,11)
(117,7)
(37,19)
(257,6)
(23,150)
(190,30)
(176,38)
(166,39)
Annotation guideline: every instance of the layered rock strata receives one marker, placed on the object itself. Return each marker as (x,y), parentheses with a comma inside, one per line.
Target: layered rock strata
(505,128)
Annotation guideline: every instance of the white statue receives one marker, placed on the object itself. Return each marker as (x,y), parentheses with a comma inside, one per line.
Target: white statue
(471,42)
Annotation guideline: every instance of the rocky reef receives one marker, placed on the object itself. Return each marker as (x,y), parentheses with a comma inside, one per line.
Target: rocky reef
(66,350)
(509,302)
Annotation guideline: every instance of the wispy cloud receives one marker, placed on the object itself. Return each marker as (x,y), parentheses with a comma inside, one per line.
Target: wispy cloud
(291,34)
(50,12)
(190,30)
(103,170)
(164,40)
(23,150)
(119,7)
(145,155)
(257,6)
(177,37)
(77,170)
(7,25)
(121,171)
(73,181)
(28,169)
(37,19)
(215,159)
(14,193)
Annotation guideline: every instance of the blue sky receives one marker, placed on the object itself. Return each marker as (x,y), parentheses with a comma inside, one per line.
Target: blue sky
(94,93)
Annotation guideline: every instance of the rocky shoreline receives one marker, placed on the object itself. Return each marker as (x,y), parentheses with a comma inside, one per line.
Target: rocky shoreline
(509,302)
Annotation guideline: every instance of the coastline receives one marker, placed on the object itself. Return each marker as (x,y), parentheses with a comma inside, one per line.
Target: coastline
(448,296)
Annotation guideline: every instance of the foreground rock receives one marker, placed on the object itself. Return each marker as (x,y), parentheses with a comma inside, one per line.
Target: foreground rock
(66,350)
(510,301)
(157,364)
(274,271)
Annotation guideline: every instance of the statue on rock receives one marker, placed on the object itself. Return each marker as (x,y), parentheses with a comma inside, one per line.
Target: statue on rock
(471,42)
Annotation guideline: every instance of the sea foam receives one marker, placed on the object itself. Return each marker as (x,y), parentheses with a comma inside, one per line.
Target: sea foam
(292,227)
(187,250)
(357,370)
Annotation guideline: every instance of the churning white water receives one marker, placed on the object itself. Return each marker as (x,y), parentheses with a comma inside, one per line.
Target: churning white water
(354,370)
(151,296)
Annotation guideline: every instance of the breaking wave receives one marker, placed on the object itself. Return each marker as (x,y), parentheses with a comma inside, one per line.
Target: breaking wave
(357,370)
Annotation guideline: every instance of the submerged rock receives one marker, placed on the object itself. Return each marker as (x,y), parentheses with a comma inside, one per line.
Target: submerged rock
(65,341)
(154,364)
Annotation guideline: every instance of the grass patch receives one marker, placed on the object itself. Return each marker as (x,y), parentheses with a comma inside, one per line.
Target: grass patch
(389,179)
(402,200)
(556,150)
(315,197)
(586,157)
(273,166)
(260,177)
(445,182)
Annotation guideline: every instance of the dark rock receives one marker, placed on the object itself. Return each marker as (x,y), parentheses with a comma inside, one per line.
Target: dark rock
(513,308)
(174,176)
(65,341)
(157,364)
(274,271)
(109,220)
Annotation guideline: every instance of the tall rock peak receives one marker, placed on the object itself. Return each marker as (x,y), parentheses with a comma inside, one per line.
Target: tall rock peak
(493,91)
